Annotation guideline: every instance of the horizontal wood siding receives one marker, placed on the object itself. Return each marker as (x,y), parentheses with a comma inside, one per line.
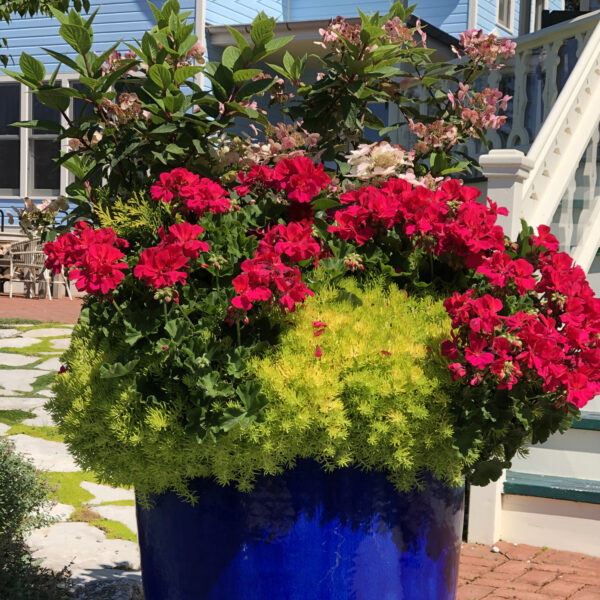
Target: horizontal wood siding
(116,20)
(487,11)
(450,16)
(307,10)
(233,12)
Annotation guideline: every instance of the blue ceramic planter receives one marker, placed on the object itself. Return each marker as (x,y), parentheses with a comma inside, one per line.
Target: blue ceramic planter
(304,535)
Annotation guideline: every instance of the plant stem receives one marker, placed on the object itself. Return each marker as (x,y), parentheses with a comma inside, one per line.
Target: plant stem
(184,314)
(239,333)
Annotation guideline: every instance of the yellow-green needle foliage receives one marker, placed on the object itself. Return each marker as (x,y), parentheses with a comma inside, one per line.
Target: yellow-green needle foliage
(376,398)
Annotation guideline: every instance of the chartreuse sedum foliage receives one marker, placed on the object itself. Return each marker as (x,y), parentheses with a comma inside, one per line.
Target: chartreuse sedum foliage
(353,406)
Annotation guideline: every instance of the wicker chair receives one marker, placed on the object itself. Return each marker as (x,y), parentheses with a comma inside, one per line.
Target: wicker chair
(26,264)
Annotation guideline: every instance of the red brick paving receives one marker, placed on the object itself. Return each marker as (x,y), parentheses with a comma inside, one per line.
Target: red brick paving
(61,310)
(521,572)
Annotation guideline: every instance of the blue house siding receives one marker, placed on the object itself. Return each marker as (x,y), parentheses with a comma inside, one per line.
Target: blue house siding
(116,20)
(451,16)
(308,10)
(238,12)
(487,11)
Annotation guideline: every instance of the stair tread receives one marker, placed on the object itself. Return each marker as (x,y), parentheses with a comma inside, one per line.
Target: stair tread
(552,486)
(590,420)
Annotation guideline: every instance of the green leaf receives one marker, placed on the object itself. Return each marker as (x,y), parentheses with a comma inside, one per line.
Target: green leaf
(53,98)
(39,124)
(32,67)
(278,43)
(160,75)
(324,203)
(253,88)
(262,29)
(230,55)
(117,369)
(78,37)
(244,75)
(238,37)
(184,73)
(64,59)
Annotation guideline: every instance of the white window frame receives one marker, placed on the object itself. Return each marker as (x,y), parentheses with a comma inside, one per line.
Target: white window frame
(14,137)
(510,24)
(26,135)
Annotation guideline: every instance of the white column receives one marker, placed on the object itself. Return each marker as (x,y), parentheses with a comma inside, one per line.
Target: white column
(485,513)
(507,171)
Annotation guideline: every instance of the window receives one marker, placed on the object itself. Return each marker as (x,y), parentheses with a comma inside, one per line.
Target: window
(27,156)
(10,163)
(44,173)
(505,14)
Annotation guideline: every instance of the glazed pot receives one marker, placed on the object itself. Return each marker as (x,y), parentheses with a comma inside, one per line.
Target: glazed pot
(303,535)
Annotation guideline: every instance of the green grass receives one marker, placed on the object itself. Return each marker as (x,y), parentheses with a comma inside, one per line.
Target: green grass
(43,382)
(15,417)
(115,530)
(37,348)
(39,431)
(46,325)
(68,488)
(118,503)
(18,321)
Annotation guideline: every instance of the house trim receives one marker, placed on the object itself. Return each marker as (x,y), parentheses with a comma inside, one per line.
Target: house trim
(472,16)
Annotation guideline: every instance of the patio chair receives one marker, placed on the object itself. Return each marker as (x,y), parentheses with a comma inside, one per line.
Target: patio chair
(26,264)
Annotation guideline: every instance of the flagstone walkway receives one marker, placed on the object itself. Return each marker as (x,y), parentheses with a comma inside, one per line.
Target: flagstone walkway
(96,534)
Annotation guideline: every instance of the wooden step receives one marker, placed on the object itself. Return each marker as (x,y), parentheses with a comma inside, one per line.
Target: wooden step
(548,486)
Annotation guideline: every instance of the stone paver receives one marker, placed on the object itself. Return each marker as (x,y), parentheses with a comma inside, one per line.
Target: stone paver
(47,332)
(42,418)
(52,364)
(61,343)
(19,380)
(522,572)
(86,548)
(4,428)
(19,342)
(124,514)
(8,333)
(15,360)
(47,455)
(12,403)
(61,511)
(105,493)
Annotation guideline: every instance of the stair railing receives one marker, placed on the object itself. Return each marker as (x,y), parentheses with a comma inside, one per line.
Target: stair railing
(532,186)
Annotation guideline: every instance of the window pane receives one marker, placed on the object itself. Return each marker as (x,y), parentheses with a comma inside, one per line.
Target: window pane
(9,107)
(9,165)
(43,113)
(81,108)
(46,174)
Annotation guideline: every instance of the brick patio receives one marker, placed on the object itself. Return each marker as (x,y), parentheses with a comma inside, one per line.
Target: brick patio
(527,573)
(61,310)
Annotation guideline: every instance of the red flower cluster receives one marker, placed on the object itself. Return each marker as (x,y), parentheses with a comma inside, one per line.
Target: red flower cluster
(197,194)
(298,177)
(555,341)
(266,276)
(92,255)
(449,220)
(168,263)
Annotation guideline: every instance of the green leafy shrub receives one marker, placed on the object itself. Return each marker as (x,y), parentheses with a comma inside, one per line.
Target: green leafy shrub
(355,405)
(25,497)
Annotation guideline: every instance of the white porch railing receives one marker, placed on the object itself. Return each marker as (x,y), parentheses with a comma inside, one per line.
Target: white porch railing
(559,171)
(548,171)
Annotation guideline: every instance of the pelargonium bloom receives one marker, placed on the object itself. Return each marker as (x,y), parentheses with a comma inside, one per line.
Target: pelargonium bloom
(300,179)
(170,184)
(100,270)
(162,266)
(186,235)
(205,195)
